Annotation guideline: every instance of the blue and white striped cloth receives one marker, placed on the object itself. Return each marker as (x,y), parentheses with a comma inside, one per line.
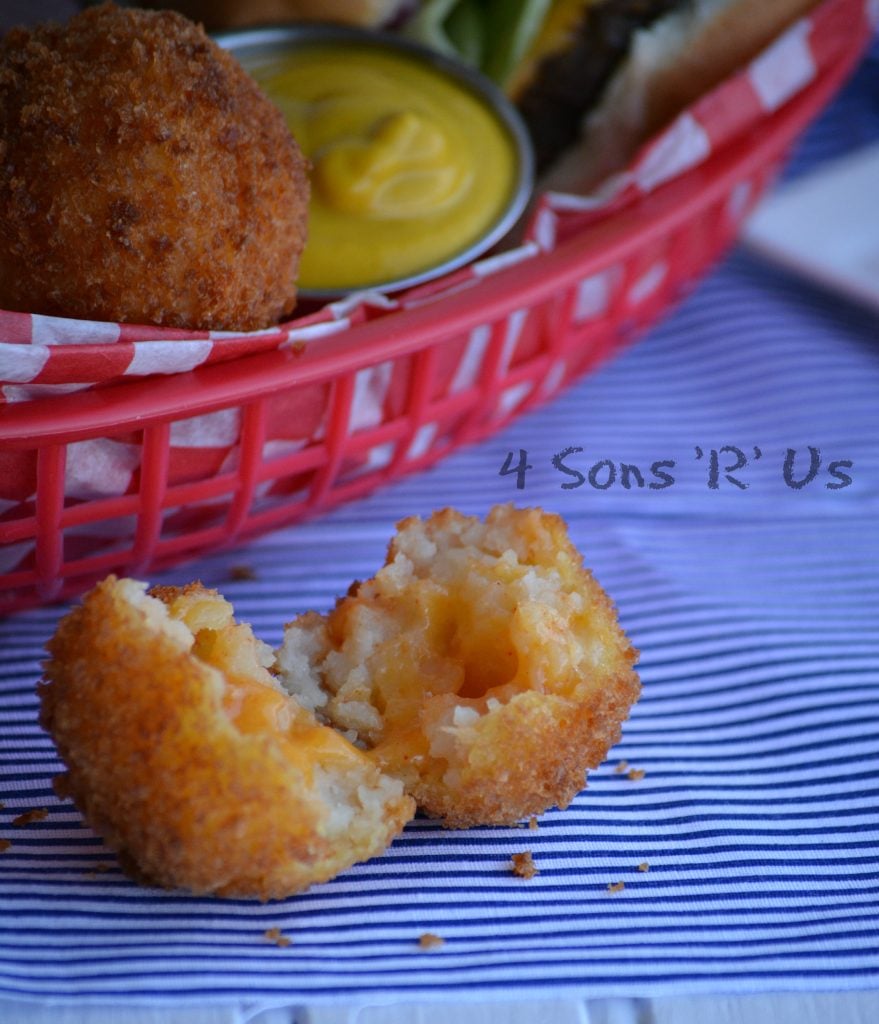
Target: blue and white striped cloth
(756,610)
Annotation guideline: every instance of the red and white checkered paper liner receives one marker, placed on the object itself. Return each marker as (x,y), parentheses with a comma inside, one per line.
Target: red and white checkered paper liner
(47,355)
(41,356)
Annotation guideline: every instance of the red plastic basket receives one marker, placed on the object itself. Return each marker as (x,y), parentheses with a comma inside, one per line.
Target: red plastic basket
(535,335)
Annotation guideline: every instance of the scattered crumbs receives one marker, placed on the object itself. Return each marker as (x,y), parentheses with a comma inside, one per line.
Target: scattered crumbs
(4,845)
(37,814)
(621,767)
(636,774)
(430,941)
(643,866)
(275,935)
(297,348)
(2,805)
(522,864)
(616,886)
(241,573)
(532,823)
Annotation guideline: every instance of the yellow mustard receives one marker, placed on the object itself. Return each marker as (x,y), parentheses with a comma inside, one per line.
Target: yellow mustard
(408,167)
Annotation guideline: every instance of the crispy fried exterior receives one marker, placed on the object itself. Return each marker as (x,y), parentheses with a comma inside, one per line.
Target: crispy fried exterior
(482,665)
(187,757)
(144,177)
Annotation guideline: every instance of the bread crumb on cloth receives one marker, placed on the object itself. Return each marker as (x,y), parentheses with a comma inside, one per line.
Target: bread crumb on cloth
(276,936)
(29,817)
(430,941)
(242,573)
(101,868)
(523,866)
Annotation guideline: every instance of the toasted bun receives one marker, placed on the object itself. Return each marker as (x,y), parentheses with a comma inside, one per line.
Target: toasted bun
(670,65)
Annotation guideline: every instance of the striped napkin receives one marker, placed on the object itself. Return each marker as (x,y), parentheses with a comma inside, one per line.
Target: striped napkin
(731,841)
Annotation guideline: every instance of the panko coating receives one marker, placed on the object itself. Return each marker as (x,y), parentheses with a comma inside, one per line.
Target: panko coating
(144,177)
(186,755)
(483,665)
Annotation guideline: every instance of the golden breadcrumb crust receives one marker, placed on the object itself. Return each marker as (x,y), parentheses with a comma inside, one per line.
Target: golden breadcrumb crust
(482,665)
(144,177)
(160,766)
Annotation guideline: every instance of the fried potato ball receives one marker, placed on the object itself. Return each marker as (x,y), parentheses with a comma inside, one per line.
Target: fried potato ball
(187,756)
(144,177)
(483,666)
